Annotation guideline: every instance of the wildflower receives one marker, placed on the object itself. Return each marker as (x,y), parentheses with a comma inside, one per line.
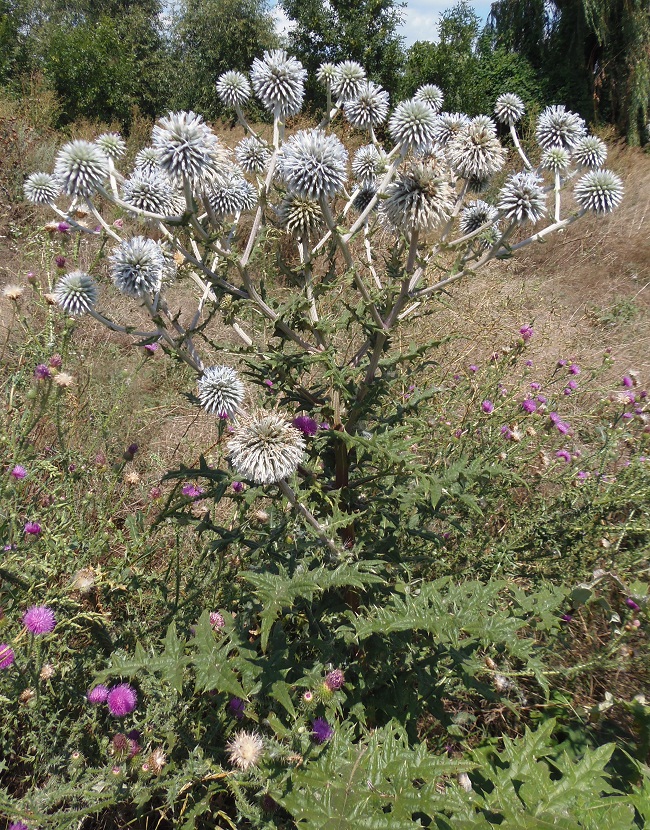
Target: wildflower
(7,656)
(535,386)
(146,160)
(156,761)
(27,696)
(348,80)
(32,528)
(563,428)
(64,380)
(121,700)
(31,278)
(233,89)
(186,148)
(420,198)
(321,730)
(112,144)
(41,188)
(475,152)
(300,215)
(63,227)
(151,348)
(447,125)
(137,266)
(265,448)
(574,368)
(522,198)
(308,426)
(334,680)
(238,486)
(590,152)
(567,618)
(192,491)
(149,189)
(632,604)
(132,478)
(564,455)
(526,332)
(98,694)
(13,292)
(84,580)
(216,620)
(368,163)
(221,391)
(529,405)
(573,385)
(76,293)
(582,475)
(487,407)
(314,164)
(39,619)
(555,159)
(60,261)
(252,155)
(368,108)
(627,382)
(509,108)
(558,127)
(245,749)
(477,214)
(155,493)
(473,368)
(231,194)
(308,696)
(42,372)
(600,191)
(18,825)
(506,432)
(279,82)
(18,472)
(413,124)
(80,168)
(47,671)
(431,95)
(236,707)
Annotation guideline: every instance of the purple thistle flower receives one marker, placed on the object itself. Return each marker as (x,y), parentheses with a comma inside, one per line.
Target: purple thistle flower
(151,347)
(39,619)
(236,707)
(32,528)
(567,618)
(18,825)
(582,475)
(321,730)
(63,227)
(55,362)
(554,417)
(306,425)
(632,604)
(7,656)
(121,700)
(335,680)
(627,415)
(526,332)
(487,407)
(238,486)
(268,383)
(42,372)
(506,432)
(473,368)
(529,405)
(542,398)
(60,261)
(216,620)
(574,369)
(192,491)
(573,384)
(627,382)
(529,364)
(98,694)
(18,472)
(565,455)
(561,363)
(567,391)
(535,386)
(563,427)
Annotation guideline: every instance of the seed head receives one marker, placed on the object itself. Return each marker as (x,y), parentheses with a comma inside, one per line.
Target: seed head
(314,164)
(41,188)
(279,82)
(431,95)
(112,145)
(509,108)
(63,380)
(558,127)
(522,198)
(600,191)
(221,391)
(245,749)
(266,448)
(348,80)
(137,266)
(84,580)
(369,108)
(80,168)
(13,292)
(252,155)
(233,89)
(156,761)
(412,124)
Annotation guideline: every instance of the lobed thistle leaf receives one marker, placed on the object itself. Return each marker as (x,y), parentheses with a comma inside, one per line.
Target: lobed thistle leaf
(348,80)
(252,155)
(81,168)
(233,89)
(590,151)
(522,198)
(475,152)
(265,447)
(137,266)
(76,293)
(112,144)
(559,127)
(419,199)
(412,124)
(221,391)
(279,82)
(369,108)
(600,191)
(509,108)
(431,95)
(314,164)
(41,188)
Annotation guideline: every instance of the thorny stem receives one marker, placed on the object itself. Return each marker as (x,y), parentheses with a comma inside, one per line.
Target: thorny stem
(308,517)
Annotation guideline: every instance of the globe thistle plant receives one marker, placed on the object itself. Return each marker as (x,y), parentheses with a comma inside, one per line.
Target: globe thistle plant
(187,148)
(475,151)
(233,89)
(221,391)
(314,164)
(81,168)
(431,95)
(326,74)
(147,160)
(363,198)
(368,164)
(348,81)
(412,124)
(522,198)
(231,195)
(265,447)
(555,159)
(137,267)
(419,199)
(112,145)
(590,151)
(509,109)
(446,126)
(599,191)
(41,189)
(76,293)
(476,215)
(279,82)
(369,108)
(252,155)
(149,190)
(301,216)
(559,127)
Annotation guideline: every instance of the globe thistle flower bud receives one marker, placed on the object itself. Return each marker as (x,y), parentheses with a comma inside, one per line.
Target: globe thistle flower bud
(279,82)
(149,189)
(522,198)
(112,145)
(41,188)
(80,167)
(559,127)
(431,95)
(447,125)
(265,447)
(230,195)
(301,216)
(186,147)
(590,151)
(600,191)
(221,391)
(555,159)
(76,293)
(348,80)
(146,160)
(475,215)
(475,151)
(233,89)
(326,74)
(509,108)
(412,124)
(363,198)
(368,163)
(252,155)
(314,164)
(369,108)
(419,199)
(245,749)
(137,266)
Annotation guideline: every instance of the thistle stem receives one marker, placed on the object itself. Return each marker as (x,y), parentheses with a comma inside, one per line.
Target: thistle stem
(308,516)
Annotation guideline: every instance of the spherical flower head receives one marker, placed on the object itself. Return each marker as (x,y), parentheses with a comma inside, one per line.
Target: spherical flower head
(335,680)
(412,124)
(420,198)
(121,700)
(308,426)
(447,125)
(187,148)
(41,188)
(555,159)
(39,620)
(279,82)
(42,372)
(564,455)
(509,108)
(238,486)
(431,95)
(321,730)
(231,195)
(363,199)
(590,151)
(475,151)
(233,89)
(33,529)
(149,189)
(348,80)
(18,472)
(81,168)
(487,407)
(600,191)
(529,406)
(266,448)
(245,749)
(522,198)
(301,216)
(112,145)
(137,266)
(216,620)
(314,165)
(76,293)
(7,656)
(369,108)
(146,160)
(559,127)
(221,391)
(252,155)
(368,164)
(476,215)
(326,74)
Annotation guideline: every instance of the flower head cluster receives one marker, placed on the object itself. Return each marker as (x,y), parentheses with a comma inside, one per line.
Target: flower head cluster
(600,191)
(76,293)
(150,190)
(369,108)
(221,391)
(300,215)
(137,266)
(279,82)
(187,148)
(413,124)
(475,151)
(41,188)
(112,145)
(314,164)
(39,619)
(266,448)
(590,151)
(233,89)
(509,108)
(368,164)
(559,127)
(431,95)
(245,749)
(80,168)
(419,199)
(252,155)
(522,198)
(348,80)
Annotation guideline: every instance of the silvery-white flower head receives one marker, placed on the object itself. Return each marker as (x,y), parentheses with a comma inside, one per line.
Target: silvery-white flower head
(509,108)
(41,188)
(431,95)
(420,198)
(475,215)
(80,167)
(221,391)
(147,159)
(245,749)
(137,266)
(76,293)
(447,125)
(590,151)
(555,159)
(522,198)
(231,195)
(368,164)
(112,144)
(252,155)
(314,164)
(600,191)
(149,190)
(475,151)
(412,124)
(300,215)
(559,127)
(279,82)
(348,80)
(233,89)
(187,147)
(265,447)
(326,74)
(369,108)
(363,198)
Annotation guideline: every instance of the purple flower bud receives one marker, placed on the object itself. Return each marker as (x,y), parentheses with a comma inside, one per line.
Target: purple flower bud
(55,362)
(487,407)
(335,680)
(41,372)
(308,426)
(567,618)
(63,227)
(321,730)
(236,708)
(542,398)
(32,528)
(553,417)
(535,386)
(632,604)
(563,427)
(627,382)
(60,261)
(473,368)
(574,369)
(526,332)
(529,405)
(151,347)
(529,364)
(561,363)
(238,486)
(97,695)
(564,455)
